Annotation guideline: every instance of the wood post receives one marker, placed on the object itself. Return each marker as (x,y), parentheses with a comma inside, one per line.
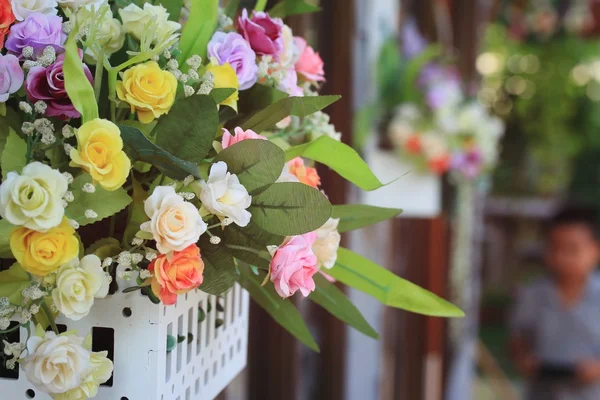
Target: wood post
(414,344)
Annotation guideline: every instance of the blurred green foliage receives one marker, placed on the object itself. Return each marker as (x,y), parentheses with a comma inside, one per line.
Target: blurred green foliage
(552,120)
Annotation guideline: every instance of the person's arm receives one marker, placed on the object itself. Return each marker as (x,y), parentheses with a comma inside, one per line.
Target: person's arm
(521,322)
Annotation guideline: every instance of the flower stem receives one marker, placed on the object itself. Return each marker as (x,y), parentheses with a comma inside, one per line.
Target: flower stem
(98,75)
(49,315)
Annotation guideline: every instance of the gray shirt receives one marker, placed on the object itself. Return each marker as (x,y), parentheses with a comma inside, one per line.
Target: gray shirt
(559,334)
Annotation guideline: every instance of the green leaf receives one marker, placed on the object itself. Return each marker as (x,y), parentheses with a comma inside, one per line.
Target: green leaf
(358,272)
(196,34)
(103,202)
(173,8)
(282,310)
(221,94)
(298,106)
(341,158)
(13,156)
(232,7)
(220,271)
(328,296)
(140,148)
(12,283)
(77,85)
(106,247)
(10,120)
(354,216)
(260,5)
(292,7)
(290,209)
(187,132)
(257,163)
(137,215)
(5,230)
(253,237)
(389,73)
(259,97)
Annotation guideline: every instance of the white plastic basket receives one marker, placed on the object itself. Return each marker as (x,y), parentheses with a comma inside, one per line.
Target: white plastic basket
(143,370)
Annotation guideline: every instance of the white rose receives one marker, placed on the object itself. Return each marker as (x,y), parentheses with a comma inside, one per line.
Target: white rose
(34,198)
(102,369)
(327,244)
(56,364)
(24,8)
(78,283)
(174,223)
(78,4)
(224,196)
(149,20)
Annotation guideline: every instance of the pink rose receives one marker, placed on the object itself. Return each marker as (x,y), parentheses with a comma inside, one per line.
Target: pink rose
(310,64)
(240,134)
(293,266)
(177,274)
(262,32)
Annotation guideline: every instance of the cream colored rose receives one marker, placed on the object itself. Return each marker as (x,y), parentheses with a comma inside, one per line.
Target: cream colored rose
(34,198)
(24,8)
(78,283)
(327,244)
(224,196)
(56,364)
(291,52)
(149,20)
(109,35)
(102,369)
(174,223)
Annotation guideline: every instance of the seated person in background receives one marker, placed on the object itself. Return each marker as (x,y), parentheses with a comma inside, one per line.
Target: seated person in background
(555,324)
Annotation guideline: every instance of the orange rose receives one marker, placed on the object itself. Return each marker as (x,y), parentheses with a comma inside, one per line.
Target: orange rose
(177,275)
(6,19)
(440,165)
(306,175)
(413,145)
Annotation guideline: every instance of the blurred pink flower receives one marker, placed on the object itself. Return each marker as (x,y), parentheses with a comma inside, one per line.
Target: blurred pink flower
(293,266)
(309,65)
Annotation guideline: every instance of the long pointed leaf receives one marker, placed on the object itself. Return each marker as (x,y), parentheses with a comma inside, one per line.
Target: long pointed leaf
(297,106)
(77,85)
(340,157)
(362,274)
(282,310)
(140,148)
(355,216)
(197,33)
(328,296)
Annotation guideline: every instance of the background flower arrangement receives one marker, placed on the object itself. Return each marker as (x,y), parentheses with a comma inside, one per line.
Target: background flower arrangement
(136,157)
(426,114)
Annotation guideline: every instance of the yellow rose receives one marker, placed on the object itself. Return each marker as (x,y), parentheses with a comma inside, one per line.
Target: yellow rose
(41,253)
(100,152)
(225,77)
(148,90)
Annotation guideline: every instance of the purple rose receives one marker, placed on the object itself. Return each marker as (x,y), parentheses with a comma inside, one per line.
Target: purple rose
(38,31)
(11,76)
(469,164)
(262,32)
(412,41)
(48,84)
(232,48)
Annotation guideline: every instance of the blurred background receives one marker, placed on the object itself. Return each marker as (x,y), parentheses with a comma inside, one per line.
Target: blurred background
(474,204)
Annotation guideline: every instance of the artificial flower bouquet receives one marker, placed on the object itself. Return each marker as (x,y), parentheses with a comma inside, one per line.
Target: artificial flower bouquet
(425,113)
(155,149)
